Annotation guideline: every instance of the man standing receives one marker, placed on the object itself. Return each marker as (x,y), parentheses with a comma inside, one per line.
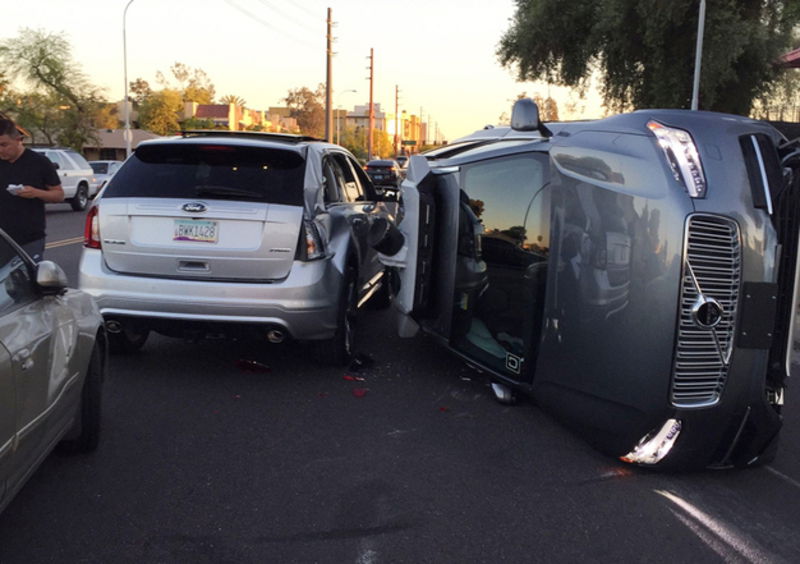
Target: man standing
(27,180)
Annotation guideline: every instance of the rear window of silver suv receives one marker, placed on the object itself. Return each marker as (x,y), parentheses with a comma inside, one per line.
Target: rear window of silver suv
(212,171)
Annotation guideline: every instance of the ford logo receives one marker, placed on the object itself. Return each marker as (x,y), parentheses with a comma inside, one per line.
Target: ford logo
(194,207)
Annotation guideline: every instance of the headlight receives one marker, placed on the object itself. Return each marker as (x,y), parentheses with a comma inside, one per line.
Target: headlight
(682,156)
(655,445)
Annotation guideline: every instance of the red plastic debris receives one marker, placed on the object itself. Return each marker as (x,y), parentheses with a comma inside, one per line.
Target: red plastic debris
(353,378)
(444,409)
(360,392)
(253,366)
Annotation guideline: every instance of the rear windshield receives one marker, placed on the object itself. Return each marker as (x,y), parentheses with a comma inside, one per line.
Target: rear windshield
(211,171)
(100,168)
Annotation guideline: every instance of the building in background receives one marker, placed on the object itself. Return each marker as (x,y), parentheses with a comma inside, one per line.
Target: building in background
(110,144)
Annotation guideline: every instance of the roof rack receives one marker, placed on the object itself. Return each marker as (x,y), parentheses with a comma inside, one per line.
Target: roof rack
(286,137)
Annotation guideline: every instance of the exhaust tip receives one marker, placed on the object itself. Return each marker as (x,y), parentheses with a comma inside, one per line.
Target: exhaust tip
(275,336)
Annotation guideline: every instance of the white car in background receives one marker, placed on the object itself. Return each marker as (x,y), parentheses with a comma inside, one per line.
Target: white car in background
(75,173)
(103,172)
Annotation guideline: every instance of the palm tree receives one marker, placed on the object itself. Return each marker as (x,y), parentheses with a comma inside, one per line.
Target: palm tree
(233,99)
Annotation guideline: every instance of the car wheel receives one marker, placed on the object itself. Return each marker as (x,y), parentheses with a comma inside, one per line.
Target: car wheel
(127,340)
(87,424)
(338,350)
(81,198)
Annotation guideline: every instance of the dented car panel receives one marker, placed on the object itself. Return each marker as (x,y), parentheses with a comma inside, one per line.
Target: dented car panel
(635,275)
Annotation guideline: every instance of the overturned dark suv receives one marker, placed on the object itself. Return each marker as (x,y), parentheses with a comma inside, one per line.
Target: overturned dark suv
(636,275)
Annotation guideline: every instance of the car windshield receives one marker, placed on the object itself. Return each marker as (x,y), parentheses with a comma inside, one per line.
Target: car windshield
(100,168)
(215,171)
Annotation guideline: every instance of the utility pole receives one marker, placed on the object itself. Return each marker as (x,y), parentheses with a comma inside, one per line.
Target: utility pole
(396,119)
(329,85)
(371,106)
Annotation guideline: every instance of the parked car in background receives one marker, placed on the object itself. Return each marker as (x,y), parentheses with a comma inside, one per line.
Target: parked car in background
(103,172)
(235,233)
(77,176)
(384,172)
(402,161)
(636,275)
(52,366)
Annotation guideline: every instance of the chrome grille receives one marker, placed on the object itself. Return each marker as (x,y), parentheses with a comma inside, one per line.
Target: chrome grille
(711,269)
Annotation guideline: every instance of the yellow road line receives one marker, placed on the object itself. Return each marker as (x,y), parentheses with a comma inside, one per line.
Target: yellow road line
(64,242)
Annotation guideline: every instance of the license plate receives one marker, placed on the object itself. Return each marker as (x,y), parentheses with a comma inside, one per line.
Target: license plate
(378,177)
(195,230)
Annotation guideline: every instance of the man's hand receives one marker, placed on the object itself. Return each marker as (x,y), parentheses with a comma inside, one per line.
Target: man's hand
(53,194)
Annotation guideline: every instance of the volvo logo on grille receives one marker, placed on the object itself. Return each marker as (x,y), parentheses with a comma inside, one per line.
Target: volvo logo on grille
(194,207)
(707,312)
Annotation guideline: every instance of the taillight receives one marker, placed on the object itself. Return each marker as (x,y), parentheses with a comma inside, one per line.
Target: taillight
(91,230)
(310,246)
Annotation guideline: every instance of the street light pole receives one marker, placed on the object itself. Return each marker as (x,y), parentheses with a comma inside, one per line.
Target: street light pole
(339,114)
(127,131)
(698,56)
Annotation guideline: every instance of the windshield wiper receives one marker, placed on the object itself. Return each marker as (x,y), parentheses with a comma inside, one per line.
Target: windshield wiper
(212,190)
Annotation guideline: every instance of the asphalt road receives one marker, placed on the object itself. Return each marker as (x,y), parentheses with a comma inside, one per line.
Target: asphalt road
(208,457)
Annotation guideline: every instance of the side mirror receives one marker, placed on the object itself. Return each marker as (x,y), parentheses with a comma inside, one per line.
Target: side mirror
(56,166)
(385,237)
(50,277)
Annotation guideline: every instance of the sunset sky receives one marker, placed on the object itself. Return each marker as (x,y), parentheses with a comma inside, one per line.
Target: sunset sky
(440,53)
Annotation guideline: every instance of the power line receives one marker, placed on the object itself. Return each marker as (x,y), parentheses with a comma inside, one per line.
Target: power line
(289,17)
(304,9)
(265,23)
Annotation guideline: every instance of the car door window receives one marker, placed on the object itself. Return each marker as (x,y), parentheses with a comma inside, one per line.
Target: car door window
(353,191)
(16,286)
(367,188)
(334,181)
(78,159)
(499,317)
(56,159)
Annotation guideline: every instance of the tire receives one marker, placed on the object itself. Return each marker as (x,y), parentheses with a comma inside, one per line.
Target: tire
(81,198)
(338,350)
(89,416)
(127,341)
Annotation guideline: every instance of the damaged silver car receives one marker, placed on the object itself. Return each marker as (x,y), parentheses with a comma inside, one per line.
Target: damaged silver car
(635,275)
(235,233)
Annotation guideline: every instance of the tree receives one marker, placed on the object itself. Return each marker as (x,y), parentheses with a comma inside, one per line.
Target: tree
(194,85)
(782,100)
(42,61)
(643,50)
(139,89)
(308,109)
(159,112)
(232,99)
(105,116)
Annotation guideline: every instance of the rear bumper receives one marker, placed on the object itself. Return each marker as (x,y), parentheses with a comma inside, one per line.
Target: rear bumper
(304,304)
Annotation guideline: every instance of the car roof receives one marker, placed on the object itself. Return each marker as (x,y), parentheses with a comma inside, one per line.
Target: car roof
(297,143)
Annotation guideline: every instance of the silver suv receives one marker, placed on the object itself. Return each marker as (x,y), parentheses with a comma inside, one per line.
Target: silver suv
(75,173)
(231,232)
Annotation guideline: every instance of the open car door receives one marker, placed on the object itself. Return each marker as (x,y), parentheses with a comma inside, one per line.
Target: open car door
(424,268)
